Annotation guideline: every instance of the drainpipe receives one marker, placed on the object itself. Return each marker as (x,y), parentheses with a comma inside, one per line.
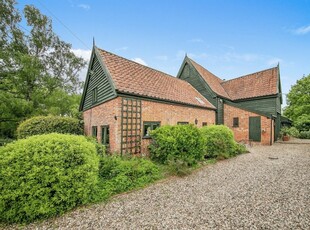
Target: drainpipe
(271,129)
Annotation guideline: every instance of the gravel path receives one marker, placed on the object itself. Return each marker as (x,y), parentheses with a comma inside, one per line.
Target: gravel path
(268,188)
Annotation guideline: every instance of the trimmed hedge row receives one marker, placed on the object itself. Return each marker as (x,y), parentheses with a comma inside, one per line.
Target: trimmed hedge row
(49,124)
(178,142)
(187,144)
(46,175)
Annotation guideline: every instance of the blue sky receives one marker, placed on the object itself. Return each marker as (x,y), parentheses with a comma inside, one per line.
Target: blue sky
(229,38)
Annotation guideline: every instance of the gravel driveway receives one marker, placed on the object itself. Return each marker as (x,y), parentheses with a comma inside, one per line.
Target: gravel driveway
(268,188)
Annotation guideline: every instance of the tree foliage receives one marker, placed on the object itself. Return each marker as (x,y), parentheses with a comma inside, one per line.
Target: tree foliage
(298,99)
(38,71)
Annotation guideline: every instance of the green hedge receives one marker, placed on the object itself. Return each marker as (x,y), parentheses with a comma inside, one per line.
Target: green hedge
(119,174)
(49,124)
(177,143)
(220,142)
(46,175)
(304,134)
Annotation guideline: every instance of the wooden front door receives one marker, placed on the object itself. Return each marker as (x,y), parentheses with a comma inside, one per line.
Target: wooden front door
(255,128)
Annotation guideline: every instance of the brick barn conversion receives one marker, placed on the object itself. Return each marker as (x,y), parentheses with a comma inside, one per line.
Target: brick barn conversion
(123,101)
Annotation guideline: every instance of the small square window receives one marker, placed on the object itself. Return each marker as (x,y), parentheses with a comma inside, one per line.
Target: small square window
(204,123)
(94,131)
(236,122)
(148,126)
(182,123)
(105,135)
(94,95)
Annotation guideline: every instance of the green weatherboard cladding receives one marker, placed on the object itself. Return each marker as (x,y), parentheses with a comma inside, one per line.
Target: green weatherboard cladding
(264,105)
(255,128)
(191,75)
(98,81)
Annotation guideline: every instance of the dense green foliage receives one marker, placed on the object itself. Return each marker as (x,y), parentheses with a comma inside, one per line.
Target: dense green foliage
(298,99)
(180,142)
(290,131)
(302,123)
(46,175)
(119,174)
(220,142)
(49,124)
(37,70)
(304,134)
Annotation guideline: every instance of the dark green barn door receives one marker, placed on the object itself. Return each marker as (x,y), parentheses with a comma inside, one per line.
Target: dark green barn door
(254,129)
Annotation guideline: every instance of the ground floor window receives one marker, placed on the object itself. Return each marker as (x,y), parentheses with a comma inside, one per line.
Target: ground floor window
(204,123)
(148,126)
(94,131)
(182,123)
(105,135)
(236,122)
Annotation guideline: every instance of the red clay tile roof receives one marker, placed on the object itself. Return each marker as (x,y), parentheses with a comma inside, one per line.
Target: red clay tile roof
(213,81)
(133,78)
(257,84)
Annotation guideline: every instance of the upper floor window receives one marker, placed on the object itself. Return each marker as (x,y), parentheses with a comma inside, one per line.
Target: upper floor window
(94,95)
(236,122)
(148,126)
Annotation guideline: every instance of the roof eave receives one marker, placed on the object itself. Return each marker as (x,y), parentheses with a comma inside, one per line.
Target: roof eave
(122,93)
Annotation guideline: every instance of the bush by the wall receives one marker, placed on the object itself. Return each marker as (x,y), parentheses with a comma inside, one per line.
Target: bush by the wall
(220,142)
(180,142)
(119,174)
(304,134)
(49,124)
(46,175)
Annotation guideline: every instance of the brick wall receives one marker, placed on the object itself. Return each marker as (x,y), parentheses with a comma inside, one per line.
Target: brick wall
(171,114)
(241,133)
(104,114)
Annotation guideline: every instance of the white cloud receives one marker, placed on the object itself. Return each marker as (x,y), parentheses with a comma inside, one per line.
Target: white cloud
(162,57)
(122,48)
(274,61)
(302,30)
(85,54)
(196,40)
(139,60)
(84,6)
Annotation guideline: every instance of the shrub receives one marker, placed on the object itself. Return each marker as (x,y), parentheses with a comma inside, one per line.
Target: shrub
(46,175)
(48,124)
(220,142)
(293,131)
(302,123)
(120,174)
(100,148)
(179,142)
(304,134)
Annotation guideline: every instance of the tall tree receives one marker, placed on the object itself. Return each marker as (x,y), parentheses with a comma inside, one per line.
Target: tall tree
(35,64)
(298,100)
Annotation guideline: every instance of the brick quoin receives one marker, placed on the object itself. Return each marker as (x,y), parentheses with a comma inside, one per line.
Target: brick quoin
(241,133)
(166,114)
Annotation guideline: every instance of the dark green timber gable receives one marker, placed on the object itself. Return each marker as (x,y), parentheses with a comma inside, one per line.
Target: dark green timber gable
(190,74)
(268,106)
(97,77)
